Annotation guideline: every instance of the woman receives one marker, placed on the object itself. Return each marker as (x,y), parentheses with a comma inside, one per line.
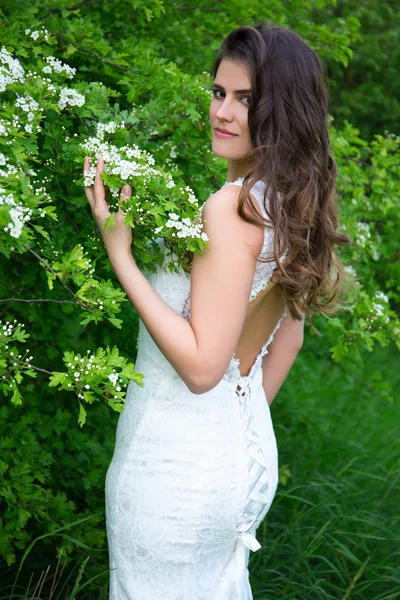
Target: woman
(195,467)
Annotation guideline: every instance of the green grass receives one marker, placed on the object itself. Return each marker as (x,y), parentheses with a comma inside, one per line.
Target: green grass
(333,530)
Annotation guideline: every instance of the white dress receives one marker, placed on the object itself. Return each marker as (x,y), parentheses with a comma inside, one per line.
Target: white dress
(192,475)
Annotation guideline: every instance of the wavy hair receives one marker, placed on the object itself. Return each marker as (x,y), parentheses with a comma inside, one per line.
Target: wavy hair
(288,124)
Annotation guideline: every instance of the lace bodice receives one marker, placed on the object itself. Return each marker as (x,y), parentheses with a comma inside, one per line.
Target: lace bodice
(263,271)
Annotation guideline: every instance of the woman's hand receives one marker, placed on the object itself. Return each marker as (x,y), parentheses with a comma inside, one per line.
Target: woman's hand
(117,238)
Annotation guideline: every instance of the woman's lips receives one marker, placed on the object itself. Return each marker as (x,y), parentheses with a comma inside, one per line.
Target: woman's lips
(221,134)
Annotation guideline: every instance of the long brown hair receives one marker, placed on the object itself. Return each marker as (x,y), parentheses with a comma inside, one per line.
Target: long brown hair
(288,123)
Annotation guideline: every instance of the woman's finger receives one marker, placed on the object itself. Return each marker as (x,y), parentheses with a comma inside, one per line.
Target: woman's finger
(88,189)
(100,204)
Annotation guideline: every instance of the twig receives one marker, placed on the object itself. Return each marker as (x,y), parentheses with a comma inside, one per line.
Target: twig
(36,368)
(57,277)
(71,221)
(36,300)
(104,60)
(199,8)
(53,11)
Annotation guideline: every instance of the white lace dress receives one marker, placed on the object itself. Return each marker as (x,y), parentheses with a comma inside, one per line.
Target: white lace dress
(192,475)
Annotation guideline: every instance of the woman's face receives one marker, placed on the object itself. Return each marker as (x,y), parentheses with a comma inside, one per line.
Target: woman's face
(229,110)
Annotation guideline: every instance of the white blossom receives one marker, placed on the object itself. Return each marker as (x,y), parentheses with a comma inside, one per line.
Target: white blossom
(56,66)
(362,233)
(10,70)
(19,214)
(70,97)
(113,378)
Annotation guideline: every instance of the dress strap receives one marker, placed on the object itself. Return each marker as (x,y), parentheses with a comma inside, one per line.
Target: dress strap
(238,181)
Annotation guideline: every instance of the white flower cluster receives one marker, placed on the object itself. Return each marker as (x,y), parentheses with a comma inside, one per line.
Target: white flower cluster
(184,228)
(56,66)
(110,127)
(128,162)
(10,70)
(191,197)
(89,176)
(379,304)
(82,366)
(7,330)
(351,270)
(28,104)
(70,97)
(113,377)
(19,214)
(114,162)
(35,34)
(374,251)
(135,152)
(363,233)
(77,363)
(11,170)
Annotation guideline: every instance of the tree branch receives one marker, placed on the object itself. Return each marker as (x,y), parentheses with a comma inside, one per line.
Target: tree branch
(104,60)
(36,300)
(199,8)
(57,277)
(36,368)
(53,11)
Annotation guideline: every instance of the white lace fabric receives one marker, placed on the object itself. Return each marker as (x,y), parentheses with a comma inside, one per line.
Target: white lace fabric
(192,476)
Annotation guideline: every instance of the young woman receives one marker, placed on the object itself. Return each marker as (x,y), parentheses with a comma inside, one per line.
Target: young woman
(195,467)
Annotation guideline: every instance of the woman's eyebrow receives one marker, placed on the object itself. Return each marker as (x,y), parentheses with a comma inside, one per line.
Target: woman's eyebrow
(219,87)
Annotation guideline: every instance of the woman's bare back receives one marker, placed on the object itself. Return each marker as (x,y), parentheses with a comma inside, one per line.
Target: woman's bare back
(263,314)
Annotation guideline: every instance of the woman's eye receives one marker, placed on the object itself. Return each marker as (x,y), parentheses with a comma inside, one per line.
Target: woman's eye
(215,92)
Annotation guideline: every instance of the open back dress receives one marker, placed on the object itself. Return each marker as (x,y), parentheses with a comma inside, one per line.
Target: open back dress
(192,475)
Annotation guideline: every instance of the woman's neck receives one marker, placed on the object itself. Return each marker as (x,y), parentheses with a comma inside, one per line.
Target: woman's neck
(237,169)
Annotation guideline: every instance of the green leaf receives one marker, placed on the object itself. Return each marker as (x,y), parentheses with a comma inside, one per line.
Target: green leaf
(116,322)
(57,378)
(88,396)
(82,415)
(109,222)
(17,398)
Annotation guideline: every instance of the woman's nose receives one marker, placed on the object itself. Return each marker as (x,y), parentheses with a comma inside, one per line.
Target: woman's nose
(225,111)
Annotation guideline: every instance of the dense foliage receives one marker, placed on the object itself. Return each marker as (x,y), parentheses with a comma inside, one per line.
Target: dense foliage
(133,73)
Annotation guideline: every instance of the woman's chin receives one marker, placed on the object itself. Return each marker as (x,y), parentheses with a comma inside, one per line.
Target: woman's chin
(224,152)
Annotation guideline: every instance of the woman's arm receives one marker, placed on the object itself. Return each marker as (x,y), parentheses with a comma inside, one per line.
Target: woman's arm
(282,353)
(220,284)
